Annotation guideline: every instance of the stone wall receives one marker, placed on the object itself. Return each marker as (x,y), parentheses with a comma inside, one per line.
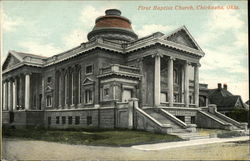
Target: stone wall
(122,118)
(28,118)
(107,118)
(35,118)
(5,117)
(79,118)
(88,118)
(204,121)
(187,113)
(20,118)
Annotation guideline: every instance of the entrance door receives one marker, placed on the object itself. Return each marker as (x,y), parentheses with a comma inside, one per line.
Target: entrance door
(126,95)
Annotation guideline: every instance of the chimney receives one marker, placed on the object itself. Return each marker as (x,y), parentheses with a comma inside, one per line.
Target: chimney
(225,86)
(219,85)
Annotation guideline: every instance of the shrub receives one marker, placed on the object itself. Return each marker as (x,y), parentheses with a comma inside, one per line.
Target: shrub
(229,134)
(240,115)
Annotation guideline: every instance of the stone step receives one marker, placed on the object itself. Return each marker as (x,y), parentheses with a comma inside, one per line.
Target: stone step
(191,136)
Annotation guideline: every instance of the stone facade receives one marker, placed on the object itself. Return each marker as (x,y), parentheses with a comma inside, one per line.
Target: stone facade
(114,80)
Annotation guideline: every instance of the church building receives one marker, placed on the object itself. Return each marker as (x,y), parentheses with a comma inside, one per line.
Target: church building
(115,80)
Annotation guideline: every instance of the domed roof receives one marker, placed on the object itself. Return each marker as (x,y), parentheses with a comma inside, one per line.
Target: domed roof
(113,26)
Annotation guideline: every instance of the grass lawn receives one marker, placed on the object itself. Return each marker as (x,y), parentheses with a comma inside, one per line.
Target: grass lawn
(105,137)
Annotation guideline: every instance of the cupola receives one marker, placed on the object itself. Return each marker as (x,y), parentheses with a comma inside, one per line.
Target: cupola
(113,27)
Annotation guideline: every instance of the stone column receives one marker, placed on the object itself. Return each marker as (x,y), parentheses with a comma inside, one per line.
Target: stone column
(196,85)
(20,92)
(10,95)
(79,86)
(27,91)
(60,90)
(170,82)
(186,91)
(4,95)
(72,87)
(66,90)
(133,104)
(114,89)
(63,89)
(182,84)
(14,94)
(157,80)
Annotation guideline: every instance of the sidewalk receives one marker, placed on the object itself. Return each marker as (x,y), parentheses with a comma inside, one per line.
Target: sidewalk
(161,146)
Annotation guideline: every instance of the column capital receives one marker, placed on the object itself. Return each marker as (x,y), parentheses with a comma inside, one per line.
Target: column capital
(188,62)
(157,54)
(11,79)
(27,73)
(196,64)
(140,59)
(171,58)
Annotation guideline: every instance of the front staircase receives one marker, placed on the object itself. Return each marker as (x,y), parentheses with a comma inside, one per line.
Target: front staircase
(161,120)
(211,118)
(166,118)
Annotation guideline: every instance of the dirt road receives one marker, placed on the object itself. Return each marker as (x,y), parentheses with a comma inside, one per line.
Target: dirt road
(17,149)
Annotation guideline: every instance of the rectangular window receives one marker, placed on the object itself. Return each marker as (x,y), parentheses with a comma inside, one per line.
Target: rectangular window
(63,120)
(89,69)
(77,120)
(70,120)
(88,97)
(89,120)
(57,120)
(106,92)
(49,101)
(190,99)
(193,120)
(49,120)
(49,79)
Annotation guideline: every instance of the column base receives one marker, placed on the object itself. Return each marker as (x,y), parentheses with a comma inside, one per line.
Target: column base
(79,105)
(66,106)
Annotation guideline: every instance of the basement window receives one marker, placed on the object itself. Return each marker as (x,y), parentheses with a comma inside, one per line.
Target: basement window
(49,120)
(193,121)
(77,120)
(63,120)
(70,120)
(89,120)
(57,120)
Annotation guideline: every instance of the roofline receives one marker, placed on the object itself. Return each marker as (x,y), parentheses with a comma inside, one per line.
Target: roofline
(189,34)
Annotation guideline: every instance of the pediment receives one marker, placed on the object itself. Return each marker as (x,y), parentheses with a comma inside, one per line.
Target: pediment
(88,81)
(10,61)
(183,37)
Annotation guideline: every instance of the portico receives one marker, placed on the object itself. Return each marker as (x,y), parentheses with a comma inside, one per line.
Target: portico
(17,92)
(183,83)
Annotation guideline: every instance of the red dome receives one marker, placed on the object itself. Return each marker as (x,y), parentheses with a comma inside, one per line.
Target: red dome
(113,26)
(113,21)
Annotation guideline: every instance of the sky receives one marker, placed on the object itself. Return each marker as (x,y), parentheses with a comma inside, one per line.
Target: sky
(50,27)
